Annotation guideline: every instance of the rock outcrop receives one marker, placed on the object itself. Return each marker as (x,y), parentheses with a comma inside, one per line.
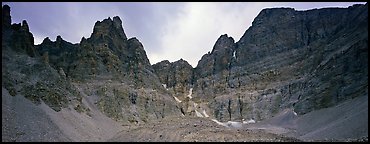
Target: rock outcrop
(7,19)
(114,69)
(219,60)
(176,77)
(17,35)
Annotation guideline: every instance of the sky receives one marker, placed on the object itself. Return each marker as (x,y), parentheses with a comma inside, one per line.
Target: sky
(167,30)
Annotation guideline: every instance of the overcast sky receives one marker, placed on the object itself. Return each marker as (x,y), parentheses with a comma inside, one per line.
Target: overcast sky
(168,31)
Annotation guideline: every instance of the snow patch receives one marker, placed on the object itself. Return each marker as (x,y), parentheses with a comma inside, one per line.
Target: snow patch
(234,124)
(190,93)
(294,113)
(234,54)
(195,105)
(165,86)
(220,123)
(198,114)
(229,123)
(205,114)
(177,99)
(249,121)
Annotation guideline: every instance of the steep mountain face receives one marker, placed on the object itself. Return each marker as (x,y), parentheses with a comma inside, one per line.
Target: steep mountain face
(176,77)
(107,53)
(107,67)
(219,60)
(24,72)
(17,35)
(303,60)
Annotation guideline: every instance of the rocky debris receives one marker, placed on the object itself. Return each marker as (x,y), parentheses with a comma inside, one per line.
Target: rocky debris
(23,121)
(190,129)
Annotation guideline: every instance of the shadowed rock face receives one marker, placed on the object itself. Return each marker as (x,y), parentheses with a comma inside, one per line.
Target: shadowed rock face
(220,59)
(7,20)
(307,60)
(17,35)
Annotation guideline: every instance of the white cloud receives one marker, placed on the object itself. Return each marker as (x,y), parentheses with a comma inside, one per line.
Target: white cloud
(37,39)
(195,28)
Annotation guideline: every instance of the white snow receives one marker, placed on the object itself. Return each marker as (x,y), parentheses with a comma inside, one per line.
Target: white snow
(205,114)
(220,123)
(234,54)
(249,121)
(177,99)
(165,86)
(190,93)
(229,123)
(234,124)
(198,114)
(195,105)
(294,112)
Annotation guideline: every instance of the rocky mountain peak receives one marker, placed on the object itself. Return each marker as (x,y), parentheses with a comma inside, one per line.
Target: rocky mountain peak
(183,63)
(117,22)
(83,39)
(136,42)
(108,27)
(223,43)
(59,38)
(219,59)
(25,26)
(46,40)
(6,17)
(17,35)
(177,76)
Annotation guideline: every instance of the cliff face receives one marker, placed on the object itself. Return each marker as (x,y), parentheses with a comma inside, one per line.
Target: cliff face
(25,73)
(107,54)
(176,77)
(304,60)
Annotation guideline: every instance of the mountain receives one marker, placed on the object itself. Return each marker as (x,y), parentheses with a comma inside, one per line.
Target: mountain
(287,70)
(108,66)
(304,60)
